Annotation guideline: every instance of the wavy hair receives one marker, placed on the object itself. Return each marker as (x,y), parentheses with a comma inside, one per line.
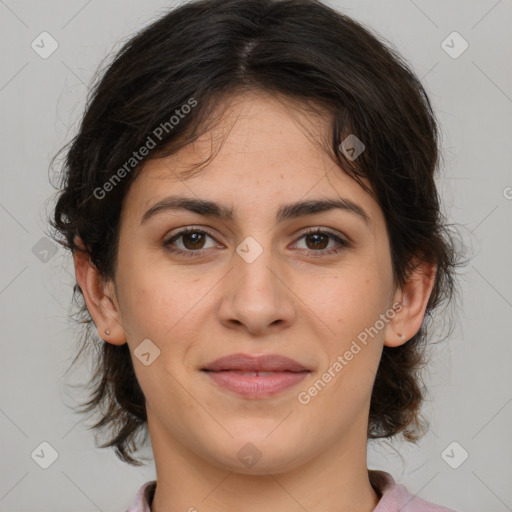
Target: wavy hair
(302,50)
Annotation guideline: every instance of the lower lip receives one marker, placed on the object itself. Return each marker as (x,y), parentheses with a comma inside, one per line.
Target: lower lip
(256,386)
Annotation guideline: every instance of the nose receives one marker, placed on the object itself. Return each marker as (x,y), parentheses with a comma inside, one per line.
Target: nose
(257,294)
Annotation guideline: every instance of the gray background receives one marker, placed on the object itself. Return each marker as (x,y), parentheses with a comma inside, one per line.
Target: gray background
(469,377)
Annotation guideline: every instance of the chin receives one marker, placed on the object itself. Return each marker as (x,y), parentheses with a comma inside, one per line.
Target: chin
(263,462)
(259,454)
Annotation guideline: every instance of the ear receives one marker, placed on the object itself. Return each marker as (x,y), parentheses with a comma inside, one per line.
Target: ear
(413,299)
(99,296)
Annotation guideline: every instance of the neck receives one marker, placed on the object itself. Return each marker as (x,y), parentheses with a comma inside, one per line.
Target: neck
(334,481)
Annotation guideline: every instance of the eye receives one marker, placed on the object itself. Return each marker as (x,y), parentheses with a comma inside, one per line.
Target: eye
(193,242)
(318,239)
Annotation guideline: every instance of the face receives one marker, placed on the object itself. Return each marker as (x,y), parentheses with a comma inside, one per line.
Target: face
(254,283)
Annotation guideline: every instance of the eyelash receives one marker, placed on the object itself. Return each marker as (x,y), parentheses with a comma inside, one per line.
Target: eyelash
(190,253)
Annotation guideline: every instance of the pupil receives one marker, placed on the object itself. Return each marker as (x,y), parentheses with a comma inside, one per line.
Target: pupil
(317,236)
(196,240)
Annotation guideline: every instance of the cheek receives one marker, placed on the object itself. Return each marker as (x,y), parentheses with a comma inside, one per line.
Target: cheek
(158,308)
(167,312)
(147,297)
(350,300)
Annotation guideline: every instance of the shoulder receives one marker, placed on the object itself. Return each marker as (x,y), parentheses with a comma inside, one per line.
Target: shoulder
(395,497)
(143,498)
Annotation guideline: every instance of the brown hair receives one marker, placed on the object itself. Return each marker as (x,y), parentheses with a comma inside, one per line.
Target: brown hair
(301,49)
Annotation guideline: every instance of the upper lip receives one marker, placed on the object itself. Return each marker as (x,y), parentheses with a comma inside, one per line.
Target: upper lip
(261,363)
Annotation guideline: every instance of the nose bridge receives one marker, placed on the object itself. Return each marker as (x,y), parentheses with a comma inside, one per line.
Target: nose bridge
(255,264)
(257,297)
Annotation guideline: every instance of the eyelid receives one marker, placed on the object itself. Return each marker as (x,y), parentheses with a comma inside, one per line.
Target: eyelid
(175,235)
(327,231)
(188,229)
(341,239)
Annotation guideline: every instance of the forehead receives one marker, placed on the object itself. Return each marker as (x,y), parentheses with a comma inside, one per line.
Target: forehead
(253,127)
(264,149)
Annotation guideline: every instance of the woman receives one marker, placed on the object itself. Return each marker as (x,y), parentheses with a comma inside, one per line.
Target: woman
(257,238)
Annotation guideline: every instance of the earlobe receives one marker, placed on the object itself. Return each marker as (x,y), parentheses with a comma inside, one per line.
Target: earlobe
(413,298)
(98,296)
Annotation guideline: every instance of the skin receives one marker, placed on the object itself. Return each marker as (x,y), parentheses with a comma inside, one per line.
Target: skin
(287,301)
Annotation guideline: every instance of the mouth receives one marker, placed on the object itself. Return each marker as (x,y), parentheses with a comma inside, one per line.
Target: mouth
(248,374)
(255,376)
(256,363)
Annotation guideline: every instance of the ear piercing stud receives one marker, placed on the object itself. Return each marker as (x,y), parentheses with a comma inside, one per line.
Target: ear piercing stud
(107,331)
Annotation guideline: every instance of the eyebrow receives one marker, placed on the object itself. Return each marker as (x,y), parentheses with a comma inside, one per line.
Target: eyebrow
(285,212)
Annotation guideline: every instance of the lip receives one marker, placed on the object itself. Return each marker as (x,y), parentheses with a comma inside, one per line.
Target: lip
(229,373)
(261,363)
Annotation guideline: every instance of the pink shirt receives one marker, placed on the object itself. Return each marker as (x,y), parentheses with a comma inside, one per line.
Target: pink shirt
(394,497)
